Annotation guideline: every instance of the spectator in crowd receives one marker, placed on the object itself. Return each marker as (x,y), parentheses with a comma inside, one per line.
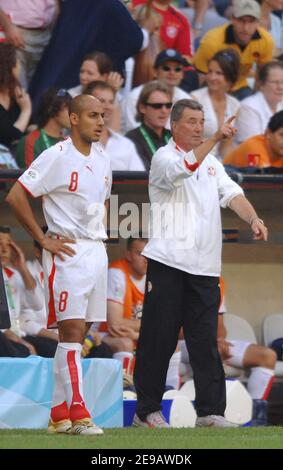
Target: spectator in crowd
(242,354)
(126,285)
(96,66)
(27,26)
(184,262)
(33,321)
(17,277)
(15,104)
(203,16)
(169,66)
(260,151)
(52,121)
(223,71)
(253,43)
(256,110)
(82,27)
(153,110)
(175,30)
(25,298)
(271,22)
(121,150)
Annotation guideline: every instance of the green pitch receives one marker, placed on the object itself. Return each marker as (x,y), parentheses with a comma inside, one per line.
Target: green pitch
(134,438)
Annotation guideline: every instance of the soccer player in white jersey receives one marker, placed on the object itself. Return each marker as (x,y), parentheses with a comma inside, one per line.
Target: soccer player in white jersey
(74,178)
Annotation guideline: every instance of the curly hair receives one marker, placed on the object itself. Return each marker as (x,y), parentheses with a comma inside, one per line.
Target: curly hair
(8,61)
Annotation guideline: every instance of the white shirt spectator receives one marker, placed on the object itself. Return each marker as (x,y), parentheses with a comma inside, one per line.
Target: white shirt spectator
(211,124)
(34,317)
(254,115)
(129,107)
(122,153)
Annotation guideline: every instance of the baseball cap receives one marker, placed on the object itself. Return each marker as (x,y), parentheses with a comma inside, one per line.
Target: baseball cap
(246,8)
(169,54)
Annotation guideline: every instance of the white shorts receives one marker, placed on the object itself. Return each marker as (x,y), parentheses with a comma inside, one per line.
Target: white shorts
(237,351)
(76,288)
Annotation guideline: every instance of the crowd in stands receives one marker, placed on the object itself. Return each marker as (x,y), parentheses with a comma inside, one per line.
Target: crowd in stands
(224,54)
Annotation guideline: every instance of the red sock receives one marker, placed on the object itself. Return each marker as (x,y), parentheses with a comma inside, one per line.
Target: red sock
(60,412)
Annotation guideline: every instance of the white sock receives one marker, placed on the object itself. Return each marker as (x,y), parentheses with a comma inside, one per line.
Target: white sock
(260,381)
(70,369)
(173,377)
(126,358)
(58,396)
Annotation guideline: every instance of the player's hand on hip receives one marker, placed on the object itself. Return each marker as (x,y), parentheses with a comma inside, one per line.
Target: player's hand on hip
(260,231)
(58,246)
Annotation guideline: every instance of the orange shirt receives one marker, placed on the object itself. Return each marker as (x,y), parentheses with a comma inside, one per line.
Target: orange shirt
(133,299)
(252,152)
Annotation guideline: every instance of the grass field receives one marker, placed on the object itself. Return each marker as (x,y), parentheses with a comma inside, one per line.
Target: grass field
(134,438)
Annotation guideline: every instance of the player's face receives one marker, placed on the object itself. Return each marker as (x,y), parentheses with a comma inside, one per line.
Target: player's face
(90,121)
(137,261)
(5,248)
(188,131)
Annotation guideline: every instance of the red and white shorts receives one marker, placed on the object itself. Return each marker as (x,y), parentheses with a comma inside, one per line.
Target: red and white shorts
(76,288)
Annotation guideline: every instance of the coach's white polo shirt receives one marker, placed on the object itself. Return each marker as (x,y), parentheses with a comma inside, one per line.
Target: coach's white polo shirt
(189,237)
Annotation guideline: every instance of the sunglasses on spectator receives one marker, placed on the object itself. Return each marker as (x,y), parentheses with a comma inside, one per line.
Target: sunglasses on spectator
(166,68)
(159,105)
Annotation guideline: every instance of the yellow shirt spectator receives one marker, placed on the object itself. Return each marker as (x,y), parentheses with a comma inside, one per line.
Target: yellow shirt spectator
(258,50)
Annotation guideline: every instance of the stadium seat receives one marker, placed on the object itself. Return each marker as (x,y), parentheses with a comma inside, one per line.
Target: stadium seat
(272,328)
(237,328)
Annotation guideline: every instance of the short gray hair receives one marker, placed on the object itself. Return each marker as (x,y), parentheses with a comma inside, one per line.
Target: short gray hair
(180,106)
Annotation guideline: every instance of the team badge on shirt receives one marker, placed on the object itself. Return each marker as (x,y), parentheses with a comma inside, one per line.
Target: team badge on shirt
(171,31)
(32,174)
(211,171)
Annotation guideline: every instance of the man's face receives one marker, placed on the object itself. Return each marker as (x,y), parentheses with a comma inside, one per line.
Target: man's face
(276,141)
(137,261)
(273,86)
(89,122)
(107,99)
(155,115)
(5,248)
(244,28)
(170,72)
(188,131)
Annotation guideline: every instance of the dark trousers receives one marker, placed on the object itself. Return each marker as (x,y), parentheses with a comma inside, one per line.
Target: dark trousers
(45,347)
(176,299)
(9,348)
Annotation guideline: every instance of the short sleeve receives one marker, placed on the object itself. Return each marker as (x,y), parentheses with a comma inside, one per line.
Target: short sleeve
(116,285)
(39,178)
